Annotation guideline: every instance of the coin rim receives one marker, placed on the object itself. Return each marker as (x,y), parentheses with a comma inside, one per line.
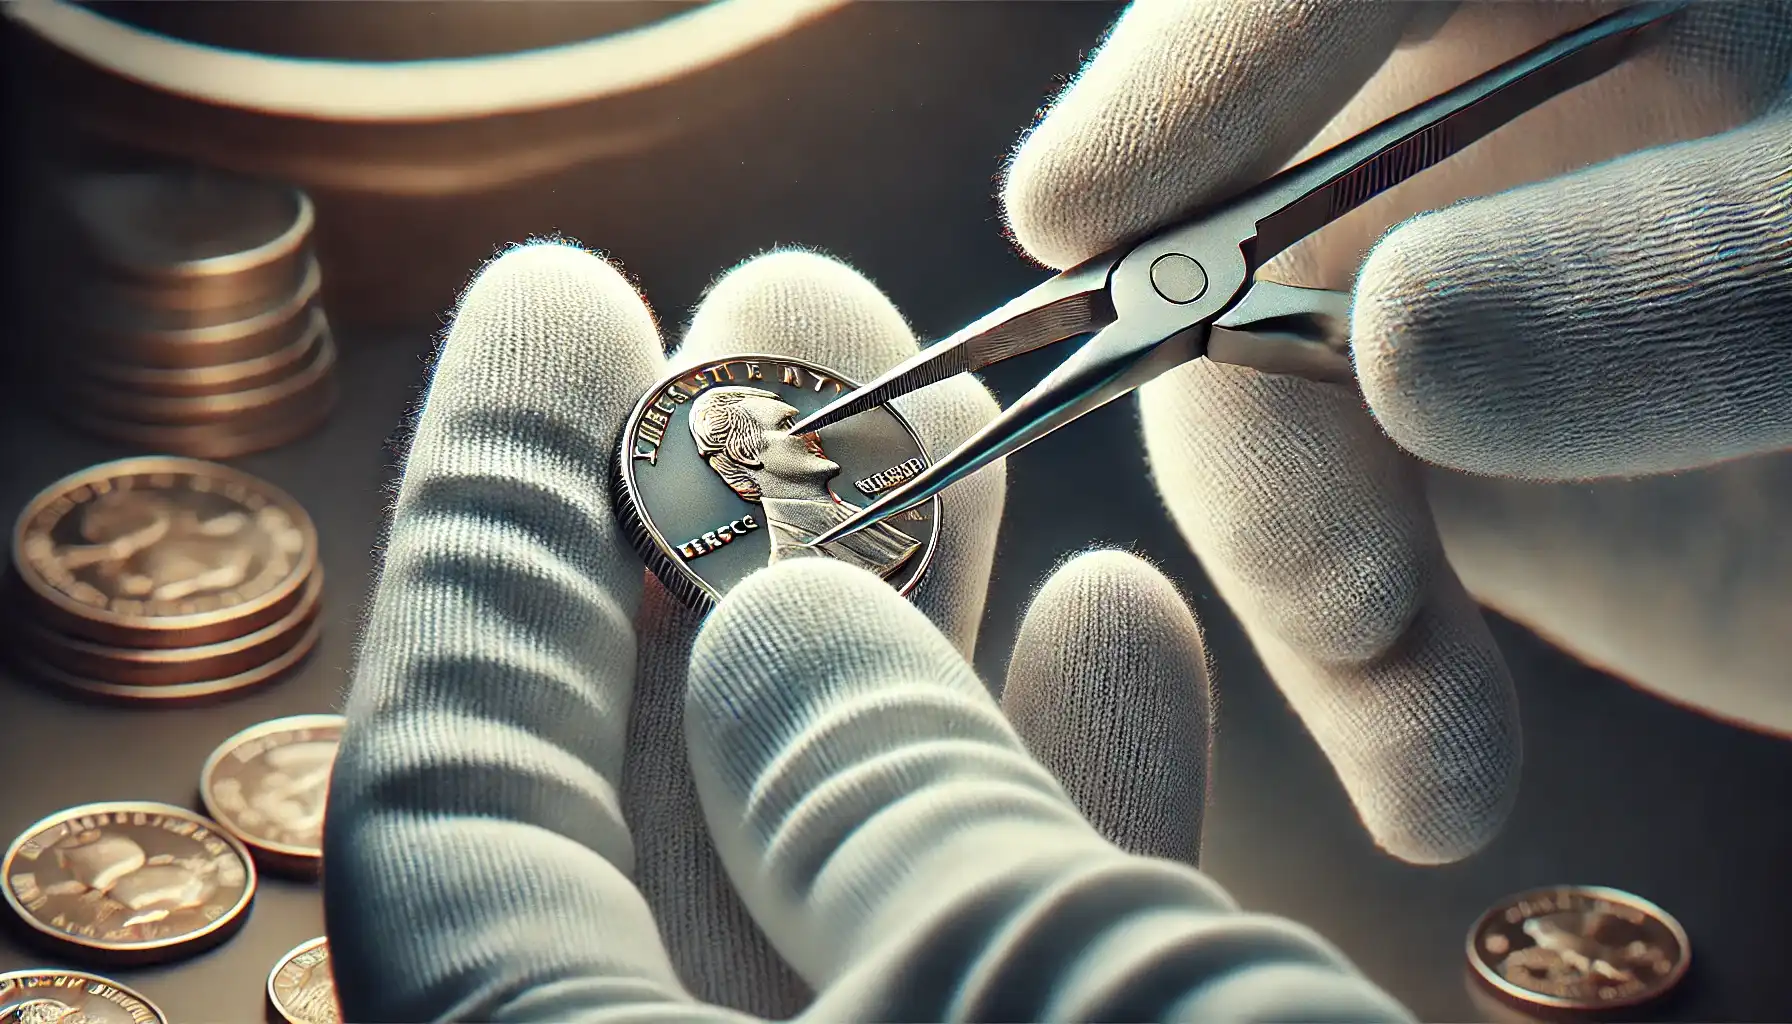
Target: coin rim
(63,972)
(251,877)
(289,723)
(172,694)
(38,637)
(34,582)
(286,958)
(210,268)
(1598,892)
(637,523)
(210,378)
(122,403)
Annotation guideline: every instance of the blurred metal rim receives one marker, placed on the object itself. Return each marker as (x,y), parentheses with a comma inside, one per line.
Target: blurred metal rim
(401,127)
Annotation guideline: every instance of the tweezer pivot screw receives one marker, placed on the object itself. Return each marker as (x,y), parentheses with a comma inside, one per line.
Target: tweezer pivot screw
(1178,278)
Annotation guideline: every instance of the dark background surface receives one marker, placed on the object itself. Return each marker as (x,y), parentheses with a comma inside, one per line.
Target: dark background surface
(890,167)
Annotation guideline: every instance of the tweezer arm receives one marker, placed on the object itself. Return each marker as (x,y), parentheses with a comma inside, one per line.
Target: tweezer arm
(1312,194)
(1062,306)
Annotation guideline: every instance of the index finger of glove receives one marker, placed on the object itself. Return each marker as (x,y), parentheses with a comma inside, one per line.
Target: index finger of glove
(1185,102)
(486,721)
(886,827)
(810,307)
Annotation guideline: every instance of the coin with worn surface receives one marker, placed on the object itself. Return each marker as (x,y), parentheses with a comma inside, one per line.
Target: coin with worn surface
(72,997)
(713,485)
(267,785)
(174,666)
(163,552)
(301,989)
(132,883)
(1579,948)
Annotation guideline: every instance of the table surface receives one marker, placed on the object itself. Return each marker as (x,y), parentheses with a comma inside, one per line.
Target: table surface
(1619,788)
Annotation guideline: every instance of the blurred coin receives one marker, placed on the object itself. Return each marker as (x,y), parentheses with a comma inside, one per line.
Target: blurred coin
(129,882)
(192,239)
(1579,948)
(113,328)
(173,666)
(265,402)
(230,439)
(58,996)
(216,379)
(713,485)
(180,693)
(301,989)
(163,552)
(267,785)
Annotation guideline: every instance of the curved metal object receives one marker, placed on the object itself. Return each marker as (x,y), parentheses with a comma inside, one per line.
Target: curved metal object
(415,91)
(423,128)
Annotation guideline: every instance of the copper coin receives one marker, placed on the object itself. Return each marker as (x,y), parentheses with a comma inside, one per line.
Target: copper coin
(173,666)
(171,694)
(72,997)
(268,783)
(1579,948)
(224,440)
(301,989)
(112,329)
(133,883)
(711,485)
(191,239)
(263,401)
(214,379)
(163,552)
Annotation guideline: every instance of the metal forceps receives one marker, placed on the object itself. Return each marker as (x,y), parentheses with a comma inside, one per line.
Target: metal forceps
(1190,290)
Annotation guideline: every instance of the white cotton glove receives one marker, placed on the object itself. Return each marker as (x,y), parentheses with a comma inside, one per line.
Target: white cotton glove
(1618,318)
(512,813)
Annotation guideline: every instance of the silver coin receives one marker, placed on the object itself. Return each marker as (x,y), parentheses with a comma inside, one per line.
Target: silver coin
(712,485)
(58,996)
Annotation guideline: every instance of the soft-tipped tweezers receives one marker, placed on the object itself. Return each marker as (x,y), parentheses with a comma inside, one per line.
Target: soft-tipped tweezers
(1190,290)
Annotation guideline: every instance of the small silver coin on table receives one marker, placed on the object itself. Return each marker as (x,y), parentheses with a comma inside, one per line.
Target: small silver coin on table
(712,485)
(1578,948)
(301,989)
(47,996)
(267,784)
(129,883)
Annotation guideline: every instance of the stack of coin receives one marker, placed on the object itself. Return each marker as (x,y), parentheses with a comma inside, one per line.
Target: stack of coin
(163,579)
(194,319)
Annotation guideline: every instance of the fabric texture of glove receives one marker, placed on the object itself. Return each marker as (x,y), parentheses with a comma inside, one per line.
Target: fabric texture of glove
(514,829)
(1621,317)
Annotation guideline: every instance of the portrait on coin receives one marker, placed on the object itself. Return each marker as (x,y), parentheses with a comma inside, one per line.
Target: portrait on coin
(46,1011)
(125,886)
(291,795)
(744,435)
(147,546)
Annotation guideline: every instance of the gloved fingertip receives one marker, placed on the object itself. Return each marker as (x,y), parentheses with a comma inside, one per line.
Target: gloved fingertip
(1108,688)
(803,304)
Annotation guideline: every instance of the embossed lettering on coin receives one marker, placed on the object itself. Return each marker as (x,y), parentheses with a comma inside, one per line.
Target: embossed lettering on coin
(168,544)
(1579,947)
(71,997)
(713,484)
(301,988)
(135,882)
(267,784)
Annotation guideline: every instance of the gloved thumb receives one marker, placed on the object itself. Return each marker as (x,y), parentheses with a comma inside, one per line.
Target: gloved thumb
(1627,319)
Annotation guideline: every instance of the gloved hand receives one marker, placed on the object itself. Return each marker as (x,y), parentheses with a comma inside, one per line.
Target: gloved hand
(1617,319)
(512,812)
